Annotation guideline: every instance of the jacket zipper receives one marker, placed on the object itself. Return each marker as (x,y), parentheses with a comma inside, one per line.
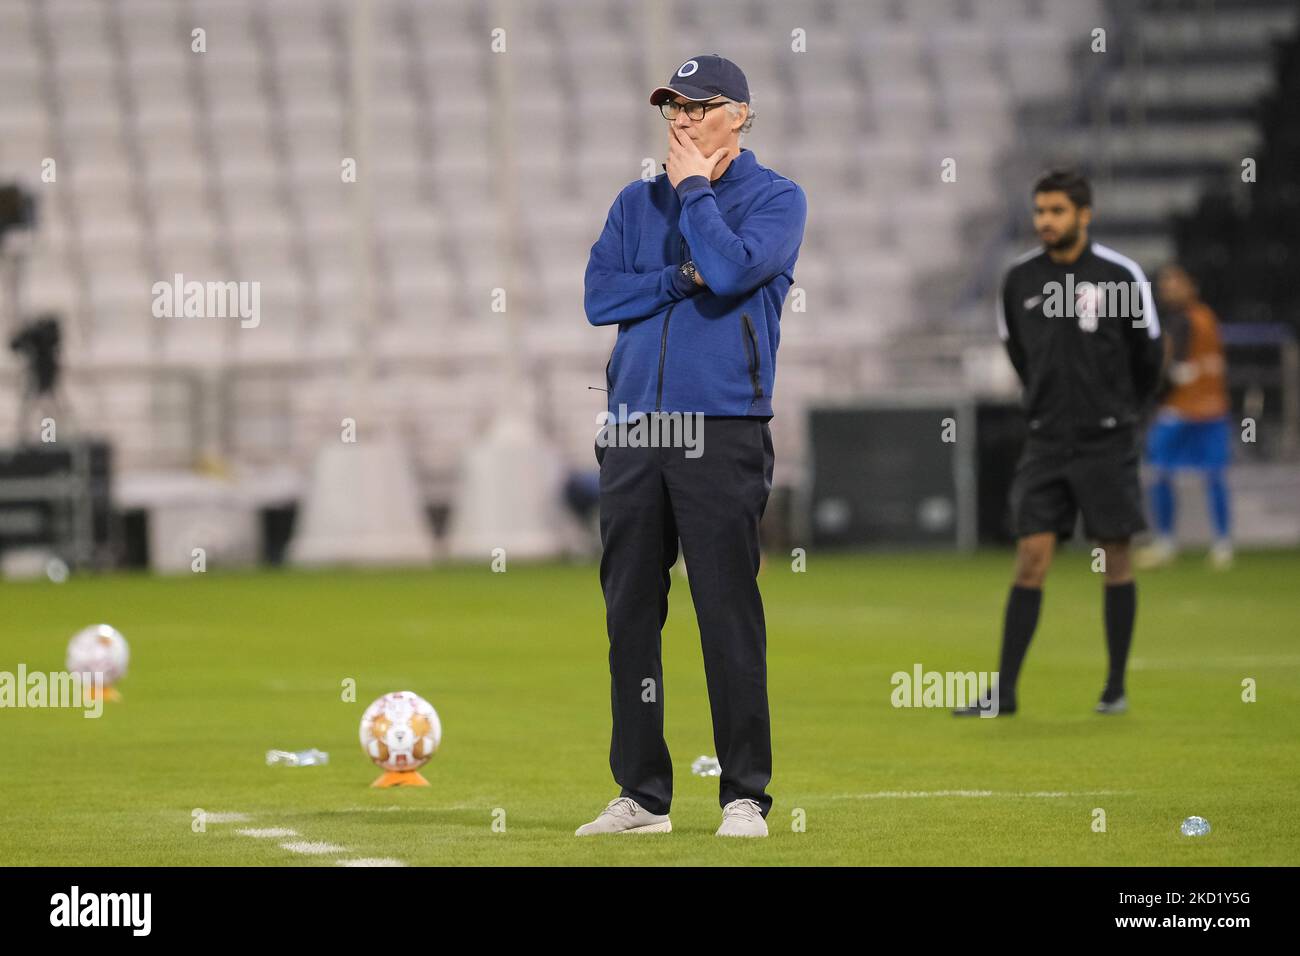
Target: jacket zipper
(753,365)
(663,349)
(1066,334)
(684,251)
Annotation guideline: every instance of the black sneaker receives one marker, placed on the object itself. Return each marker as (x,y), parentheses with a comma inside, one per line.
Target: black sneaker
(1007,707)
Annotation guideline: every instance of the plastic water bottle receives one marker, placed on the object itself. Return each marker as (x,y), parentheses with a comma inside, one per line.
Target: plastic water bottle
(1195,826)
(300,758)
(706,767)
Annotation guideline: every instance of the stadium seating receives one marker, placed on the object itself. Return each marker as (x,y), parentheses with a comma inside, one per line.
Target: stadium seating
(226,165)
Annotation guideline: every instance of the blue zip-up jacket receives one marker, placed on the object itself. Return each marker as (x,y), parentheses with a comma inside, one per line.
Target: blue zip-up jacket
(682,347)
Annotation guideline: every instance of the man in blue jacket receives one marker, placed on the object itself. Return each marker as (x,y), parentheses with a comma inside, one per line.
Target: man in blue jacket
(693,266)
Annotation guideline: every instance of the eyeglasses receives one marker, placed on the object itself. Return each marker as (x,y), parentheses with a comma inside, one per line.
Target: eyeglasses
(672,109)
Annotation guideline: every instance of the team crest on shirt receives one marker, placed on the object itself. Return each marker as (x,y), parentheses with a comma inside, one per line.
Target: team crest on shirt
(1087,305)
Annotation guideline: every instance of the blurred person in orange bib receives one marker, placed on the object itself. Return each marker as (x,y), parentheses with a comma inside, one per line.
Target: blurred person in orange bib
(1191,428)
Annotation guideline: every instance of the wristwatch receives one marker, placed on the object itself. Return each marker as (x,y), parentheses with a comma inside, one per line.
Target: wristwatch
(688,269)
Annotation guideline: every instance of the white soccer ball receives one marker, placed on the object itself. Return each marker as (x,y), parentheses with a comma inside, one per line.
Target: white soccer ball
(400,731)
(99,649)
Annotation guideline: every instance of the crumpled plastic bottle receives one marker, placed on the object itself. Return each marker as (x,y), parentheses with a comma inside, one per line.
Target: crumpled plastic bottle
(300,758)
(706,766)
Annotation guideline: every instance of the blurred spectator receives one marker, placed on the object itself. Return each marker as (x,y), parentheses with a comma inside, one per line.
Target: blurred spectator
(1191,427)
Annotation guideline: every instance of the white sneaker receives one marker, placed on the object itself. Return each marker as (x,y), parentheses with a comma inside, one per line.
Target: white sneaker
(1119,706)
(742,818)
(1158,554)
(625,815)
(1221,555)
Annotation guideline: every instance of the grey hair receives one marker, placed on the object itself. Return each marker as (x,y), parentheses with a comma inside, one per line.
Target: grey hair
(733,107)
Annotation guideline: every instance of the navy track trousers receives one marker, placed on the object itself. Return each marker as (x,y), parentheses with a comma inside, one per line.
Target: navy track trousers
(650,498)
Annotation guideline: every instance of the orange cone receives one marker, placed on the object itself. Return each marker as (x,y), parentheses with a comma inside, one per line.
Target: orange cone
(400,778)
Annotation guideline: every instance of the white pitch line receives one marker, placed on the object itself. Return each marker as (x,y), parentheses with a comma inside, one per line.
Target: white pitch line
(366,810)
(370,861)
(310,848)
(1206,663)
(911,794)
(434,809)
(268,833)
(226,817)
(306,847)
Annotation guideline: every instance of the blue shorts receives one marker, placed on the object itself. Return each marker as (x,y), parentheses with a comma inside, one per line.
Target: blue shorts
(1175,443)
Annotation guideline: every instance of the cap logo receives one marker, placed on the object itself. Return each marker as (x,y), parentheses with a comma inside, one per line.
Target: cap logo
(688,68)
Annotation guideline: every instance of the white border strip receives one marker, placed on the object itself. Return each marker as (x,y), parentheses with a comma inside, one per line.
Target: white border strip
(304,847)
(313,848)
(921,794)
(370,861)
(268,833)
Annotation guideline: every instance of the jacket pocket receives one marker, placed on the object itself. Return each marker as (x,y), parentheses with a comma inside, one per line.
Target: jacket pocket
(752,354)
(609,363)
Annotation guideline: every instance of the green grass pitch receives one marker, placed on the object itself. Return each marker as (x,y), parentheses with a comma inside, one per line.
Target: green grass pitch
(225,666)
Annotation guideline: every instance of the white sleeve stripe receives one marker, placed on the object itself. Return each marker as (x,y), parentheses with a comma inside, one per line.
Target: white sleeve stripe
(999,311)
(1135,270)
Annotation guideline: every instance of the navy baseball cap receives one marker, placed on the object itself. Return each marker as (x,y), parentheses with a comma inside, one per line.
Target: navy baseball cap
(702,78)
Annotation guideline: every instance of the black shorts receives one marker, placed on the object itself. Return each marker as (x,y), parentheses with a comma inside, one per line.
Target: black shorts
(1099,478)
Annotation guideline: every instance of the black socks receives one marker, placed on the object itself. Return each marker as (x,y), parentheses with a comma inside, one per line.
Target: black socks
(1017,631)
(1022,618)
(1120,610)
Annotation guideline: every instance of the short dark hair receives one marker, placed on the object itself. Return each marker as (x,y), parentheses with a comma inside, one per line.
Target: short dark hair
(1069,181)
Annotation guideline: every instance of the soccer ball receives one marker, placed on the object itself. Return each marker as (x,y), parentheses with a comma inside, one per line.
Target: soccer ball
(99,649)
(400,731)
